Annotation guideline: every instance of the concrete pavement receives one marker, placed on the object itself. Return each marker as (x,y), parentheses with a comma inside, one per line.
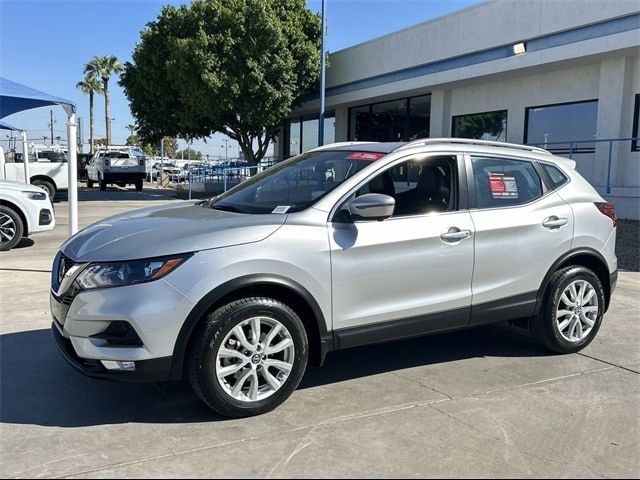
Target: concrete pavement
(484,402)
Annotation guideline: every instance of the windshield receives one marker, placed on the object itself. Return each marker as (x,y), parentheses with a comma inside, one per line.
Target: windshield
(296,184)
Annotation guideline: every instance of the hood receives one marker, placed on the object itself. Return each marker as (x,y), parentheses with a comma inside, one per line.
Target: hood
(19,186)
(167,230)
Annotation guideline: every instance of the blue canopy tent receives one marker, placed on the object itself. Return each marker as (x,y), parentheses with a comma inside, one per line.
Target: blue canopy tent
(6,126)
(14,98)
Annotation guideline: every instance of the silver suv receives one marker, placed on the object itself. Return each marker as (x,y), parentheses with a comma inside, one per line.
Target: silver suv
(347,245)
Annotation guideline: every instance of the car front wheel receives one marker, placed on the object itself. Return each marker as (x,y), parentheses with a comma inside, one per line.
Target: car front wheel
(248,357)
(572,313)
(11,228)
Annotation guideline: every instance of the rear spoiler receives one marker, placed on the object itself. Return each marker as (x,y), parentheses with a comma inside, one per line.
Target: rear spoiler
(569,163)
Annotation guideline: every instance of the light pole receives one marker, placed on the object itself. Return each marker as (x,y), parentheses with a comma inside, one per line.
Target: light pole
(226,150)
(322,80)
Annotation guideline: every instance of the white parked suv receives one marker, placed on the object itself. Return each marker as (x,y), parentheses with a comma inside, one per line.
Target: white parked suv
(24,210)
(346,245)
(117,165)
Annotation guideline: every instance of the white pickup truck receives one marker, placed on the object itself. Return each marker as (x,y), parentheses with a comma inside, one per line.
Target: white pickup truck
(120,165)
(48,169)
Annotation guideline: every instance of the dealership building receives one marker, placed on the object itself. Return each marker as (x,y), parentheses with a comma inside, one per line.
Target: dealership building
(564,75)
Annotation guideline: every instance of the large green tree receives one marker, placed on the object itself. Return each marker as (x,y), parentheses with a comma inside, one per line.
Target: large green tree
(103,67)
(230,66)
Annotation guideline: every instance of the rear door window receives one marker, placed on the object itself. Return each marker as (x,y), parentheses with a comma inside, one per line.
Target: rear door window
(504,182)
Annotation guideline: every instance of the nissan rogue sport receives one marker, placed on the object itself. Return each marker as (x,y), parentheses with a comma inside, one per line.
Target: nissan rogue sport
(346,245)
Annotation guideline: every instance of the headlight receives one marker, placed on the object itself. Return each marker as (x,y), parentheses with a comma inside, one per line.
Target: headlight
(103,275)
(35,195)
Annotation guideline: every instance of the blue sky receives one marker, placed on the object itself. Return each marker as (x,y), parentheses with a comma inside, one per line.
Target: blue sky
(45,43)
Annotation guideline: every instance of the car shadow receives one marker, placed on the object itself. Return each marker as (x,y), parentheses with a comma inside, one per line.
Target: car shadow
(25,243)
(38,388)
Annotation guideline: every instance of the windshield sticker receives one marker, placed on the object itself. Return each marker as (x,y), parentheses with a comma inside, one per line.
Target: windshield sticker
(502,186)
(370,156)
(281,209)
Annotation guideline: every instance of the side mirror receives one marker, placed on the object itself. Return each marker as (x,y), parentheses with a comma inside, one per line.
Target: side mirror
(372,206)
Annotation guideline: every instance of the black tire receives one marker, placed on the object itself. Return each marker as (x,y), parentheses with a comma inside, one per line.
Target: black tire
(89,183)
(201,360)
(139,185)
(544,326)
(48,186)
(18,228)
(103,186)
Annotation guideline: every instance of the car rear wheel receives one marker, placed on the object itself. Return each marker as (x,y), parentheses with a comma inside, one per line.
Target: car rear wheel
(11,228)
(48,187)
(138,185)
(248,357)
(103,186)
(89,183)
(572,313)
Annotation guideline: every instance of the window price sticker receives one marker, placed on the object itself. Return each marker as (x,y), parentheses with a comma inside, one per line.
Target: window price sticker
(502,186)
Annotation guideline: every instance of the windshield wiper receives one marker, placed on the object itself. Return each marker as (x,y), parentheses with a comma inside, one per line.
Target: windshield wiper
(227,208)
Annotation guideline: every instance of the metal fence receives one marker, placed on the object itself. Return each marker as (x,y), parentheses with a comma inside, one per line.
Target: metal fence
(575,147)
(217,177)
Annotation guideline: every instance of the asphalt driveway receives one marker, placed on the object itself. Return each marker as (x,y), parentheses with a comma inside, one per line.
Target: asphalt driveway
(485,402)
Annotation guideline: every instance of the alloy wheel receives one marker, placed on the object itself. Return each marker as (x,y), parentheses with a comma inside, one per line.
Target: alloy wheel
(7,229)
(577,311)
(255,359)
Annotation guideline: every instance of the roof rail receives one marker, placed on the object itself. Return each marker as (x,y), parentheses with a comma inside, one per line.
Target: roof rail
(339,144)
(469,141)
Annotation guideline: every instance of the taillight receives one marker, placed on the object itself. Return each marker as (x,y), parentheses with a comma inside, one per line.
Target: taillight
(106,162)
(608,209)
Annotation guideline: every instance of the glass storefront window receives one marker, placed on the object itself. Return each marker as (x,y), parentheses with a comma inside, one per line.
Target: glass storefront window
(359,121)
(388,121)
(548,124)
(481,126)
(393,121)
(419,117)
(309,134)
(329,129)
(294,137)
(303,133)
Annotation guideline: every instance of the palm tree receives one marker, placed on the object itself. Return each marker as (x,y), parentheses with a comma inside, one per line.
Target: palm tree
(90,85)
(104,67)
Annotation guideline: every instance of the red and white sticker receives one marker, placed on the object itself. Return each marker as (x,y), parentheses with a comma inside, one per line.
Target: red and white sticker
(369,156)
(502,186)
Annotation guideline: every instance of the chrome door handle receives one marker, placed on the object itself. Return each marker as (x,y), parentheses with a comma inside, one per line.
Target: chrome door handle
(554,222)
(455,235)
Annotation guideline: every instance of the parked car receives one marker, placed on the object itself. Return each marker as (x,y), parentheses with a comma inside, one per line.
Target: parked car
(48,169)
(117,165)
(167,168)
(346,245)
(24,210)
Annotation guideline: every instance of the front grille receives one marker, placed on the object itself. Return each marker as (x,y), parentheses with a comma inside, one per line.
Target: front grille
(61,300)
(61,266)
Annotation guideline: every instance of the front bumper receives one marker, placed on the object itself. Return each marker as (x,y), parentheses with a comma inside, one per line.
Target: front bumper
(154,312)
(154,370)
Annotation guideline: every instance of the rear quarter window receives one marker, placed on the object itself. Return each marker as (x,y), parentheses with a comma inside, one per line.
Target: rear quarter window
(556,177)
